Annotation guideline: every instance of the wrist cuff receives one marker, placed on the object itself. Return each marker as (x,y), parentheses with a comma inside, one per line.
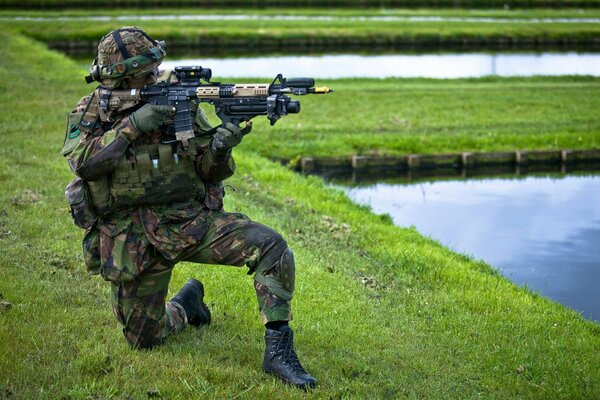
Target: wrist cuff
(126,129)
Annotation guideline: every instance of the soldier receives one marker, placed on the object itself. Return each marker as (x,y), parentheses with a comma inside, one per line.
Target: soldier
(147,205)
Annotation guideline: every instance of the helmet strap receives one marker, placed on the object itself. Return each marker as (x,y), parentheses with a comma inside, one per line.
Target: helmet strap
(117,36)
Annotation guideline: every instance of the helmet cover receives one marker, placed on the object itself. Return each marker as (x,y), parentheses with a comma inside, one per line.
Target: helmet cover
(125,53)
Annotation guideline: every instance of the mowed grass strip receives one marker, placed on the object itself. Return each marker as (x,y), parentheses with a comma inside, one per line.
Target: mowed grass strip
(329,12)
(299,35)
(380,311)
(253,4)
(429,116)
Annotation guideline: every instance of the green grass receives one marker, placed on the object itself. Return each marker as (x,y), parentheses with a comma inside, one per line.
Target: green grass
(210,36)
(251,4)
(428,116)
(332,12)
(411,115)
(380,311)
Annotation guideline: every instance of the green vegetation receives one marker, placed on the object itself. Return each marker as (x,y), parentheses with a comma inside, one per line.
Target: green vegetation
(380,311)
(427,116)
(320,12)
(90,4)
(210,36)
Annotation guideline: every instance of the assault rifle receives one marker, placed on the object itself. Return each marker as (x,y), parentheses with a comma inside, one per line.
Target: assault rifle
(233,102)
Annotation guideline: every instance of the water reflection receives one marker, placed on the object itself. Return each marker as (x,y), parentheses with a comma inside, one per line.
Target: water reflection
(542,232)
(407,65)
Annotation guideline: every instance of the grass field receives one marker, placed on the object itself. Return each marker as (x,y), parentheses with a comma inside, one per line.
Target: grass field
(253,4)
(340,13)
(380,311)
(325,34)
(411,115)
(438,116)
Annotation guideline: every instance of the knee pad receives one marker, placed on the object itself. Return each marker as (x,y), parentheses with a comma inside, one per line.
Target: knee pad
(279,279)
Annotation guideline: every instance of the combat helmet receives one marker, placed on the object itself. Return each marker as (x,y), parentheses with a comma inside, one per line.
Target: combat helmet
(125,53)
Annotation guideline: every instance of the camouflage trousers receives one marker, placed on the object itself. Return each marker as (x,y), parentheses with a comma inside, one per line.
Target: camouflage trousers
(140,274)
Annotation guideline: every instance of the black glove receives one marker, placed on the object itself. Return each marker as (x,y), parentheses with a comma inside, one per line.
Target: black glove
(150,117)
(229,136)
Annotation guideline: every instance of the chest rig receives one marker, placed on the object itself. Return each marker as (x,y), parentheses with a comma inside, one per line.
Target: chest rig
(148,174)
(156,174)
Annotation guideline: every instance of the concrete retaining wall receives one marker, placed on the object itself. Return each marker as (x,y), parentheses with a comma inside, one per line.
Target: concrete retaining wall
(214,45)
(467,160)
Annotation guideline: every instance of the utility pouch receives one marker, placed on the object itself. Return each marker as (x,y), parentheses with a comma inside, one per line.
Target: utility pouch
(79,202)
(91,251)
(157,175)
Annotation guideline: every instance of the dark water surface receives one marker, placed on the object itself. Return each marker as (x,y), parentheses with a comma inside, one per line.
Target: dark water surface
(543,232)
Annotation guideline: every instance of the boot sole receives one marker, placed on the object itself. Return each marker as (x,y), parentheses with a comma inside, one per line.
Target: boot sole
(305,387)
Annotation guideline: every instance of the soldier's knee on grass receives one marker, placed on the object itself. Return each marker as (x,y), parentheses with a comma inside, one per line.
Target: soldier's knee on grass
(143,333)
(280,277)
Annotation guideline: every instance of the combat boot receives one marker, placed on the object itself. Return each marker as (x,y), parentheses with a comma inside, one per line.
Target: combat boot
(191,297)
(281,359)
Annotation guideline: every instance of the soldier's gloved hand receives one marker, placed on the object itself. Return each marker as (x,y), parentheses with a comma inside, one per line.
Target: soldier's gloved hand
(150,117)
(229,136)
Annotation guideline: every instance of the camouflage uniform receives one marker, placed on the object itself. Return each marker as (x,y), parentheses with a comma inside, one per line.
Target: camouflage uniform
(138,246)
(148,202)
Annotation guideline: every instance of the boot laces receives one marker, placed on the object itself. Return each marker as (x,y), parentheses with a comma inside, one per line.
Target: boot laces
(285,349)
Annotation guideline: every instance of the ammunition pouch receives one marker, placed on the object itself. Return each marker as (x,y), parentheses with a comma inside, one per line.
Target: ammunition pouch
(154,175)
(80,204)
(85,217)
(99,191)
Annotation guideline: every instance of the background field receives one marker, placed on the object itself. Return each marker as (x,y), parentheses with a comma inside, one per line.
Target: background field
(48,4)
(418,116)
(331,31)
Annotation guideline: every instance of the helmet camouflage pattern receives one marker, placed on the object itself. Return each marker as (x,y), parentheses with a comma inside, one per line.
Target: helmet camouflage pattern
(125,53)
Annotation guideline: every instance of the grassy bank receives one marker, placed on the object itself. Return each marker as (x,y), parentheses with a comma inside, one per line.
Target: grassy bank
(295,36)
(252,4)
(427,116)
(409,115)
(310,12)
(380,311)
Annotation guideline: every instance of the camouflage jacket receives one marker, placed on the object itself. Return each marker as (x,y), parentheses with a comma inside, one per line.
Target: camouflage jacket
(97,154)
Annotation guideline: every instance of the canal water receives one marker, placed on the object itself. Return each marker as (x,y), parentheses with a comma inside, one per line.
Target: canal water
(542,232)
(450,65)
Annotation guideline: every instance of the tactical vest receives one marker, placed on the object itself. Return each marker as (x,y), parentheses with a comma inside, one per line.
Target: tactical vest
(156,175)
(149,175)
